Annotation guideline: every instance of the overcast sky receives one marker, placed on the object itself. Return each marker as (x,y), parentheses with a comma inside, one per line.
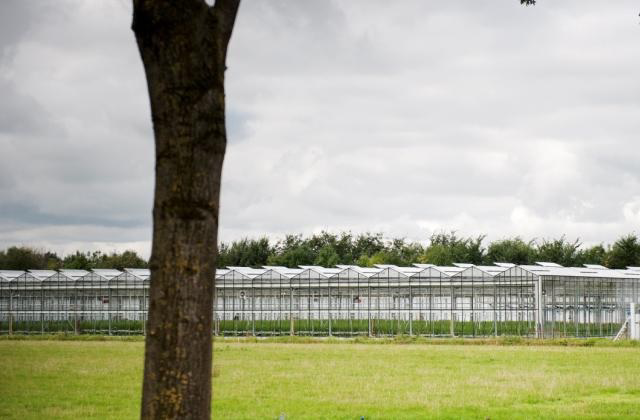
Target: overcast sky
(405,118)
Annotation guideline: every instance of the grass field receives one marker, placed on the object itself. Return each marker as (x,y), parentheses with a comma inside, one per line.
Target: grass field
(101,379)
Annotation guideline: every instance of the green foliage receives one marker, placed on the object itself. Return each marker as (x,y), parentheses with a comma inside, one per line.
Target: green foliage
(513,250)
(245,252)
(445,249)
(292,251)
(128,259)
(325,249)
(87,261)
(596,254)
(367,249)
(23,258)
(78,261)
(559,251)
(624,252)
(327,257)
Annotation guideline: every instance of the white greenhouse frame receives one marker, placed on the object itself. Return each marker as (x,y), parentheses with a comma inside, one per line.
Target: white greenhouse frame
(463,300)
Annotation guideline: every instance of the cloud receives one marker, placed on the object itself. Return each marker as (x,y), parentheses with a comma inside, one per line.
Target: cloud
(406,117)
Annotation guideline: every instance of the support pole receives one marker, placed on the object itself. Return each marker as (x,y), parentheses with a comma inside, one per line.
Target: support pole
(143,312)
(10,313)
(633,326)
(451,308)
(109,310)
(42,312)
(410,311)
(292,327)
(253,310)
(369,306)
(539,306)
(329,297)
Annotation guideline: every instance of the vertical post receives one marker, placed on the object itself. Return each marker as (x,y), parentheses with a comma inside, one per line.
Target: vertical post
(41,310)
(253,310)
(538,297)
(109,307)
(410,310)
(292,326)
(329,310)
(143,312)
(495,307)
(369,307)
(633,326)
(10,313)
(451,308)
(75,311)
(350,310)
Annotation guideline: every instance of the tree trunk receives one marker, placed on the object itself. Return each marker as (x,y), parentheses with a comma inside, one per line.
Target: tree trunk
(183,46)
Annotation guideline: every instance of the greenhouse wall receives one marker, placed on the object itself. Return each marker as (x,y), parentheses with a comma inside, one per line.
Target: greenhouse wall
(462,301)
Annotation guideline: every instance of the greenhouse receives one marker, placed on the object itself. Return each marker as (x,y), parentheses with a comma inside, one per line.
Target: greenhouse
(463,300)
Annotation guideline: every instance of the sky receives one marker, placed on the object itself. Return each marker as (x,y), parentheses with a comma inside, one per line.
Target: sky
(406,118)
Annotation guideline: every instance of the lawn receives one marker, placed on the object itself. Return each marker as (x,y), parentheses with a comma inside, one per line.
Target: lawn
(101,379)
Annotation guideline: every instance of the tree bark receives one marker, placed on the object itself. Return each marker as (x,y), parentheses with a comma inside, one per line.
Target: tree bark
(183,45)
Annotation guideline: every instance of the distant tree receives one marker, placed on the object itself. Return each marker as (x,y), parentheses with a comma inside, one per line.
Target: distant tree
(245,252)
(25,258)
(371,260)
(54,262)
(624,252)
(402,253)
(292,251)
(512,250)
(89,260)
(367,244)
(78,260)
(341,245)
(559,251)
(327,256)
(345,248)
(596,254)
(127,259)
(447,248)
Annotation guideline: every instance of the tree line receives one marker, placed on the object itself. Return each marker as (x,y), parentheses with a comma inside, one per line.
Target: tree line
(328,249)
(25,258)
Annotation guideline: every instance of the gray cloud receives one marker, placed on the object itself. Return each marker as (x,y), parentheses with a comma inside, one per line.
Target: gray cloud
(406,118)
